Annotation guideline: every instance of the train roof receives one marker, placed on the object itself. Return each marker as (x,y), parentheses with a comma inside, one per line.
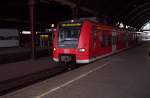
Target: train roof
(99,24)
(104,26)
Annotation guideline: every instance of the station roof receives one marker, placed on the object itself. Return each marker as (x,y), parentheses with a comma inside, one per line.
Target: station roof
(15,13)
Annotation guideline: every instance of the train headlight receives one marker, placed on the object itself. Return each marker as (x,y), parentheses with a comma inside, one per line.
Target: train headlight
(81,50)
(54,49)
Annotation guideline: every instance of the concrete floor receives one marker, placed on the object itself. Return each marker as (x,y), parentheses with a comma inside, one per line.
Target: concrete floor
(4,51)
(125,75)
(11,55)
(19,69)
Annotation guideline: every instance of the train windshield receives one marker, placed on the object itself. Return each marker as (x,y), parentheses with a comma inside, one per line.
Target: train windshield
(68,36)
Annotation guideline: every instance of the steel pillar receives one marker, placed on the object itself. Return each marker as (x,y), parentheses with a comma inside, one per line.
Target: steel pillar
(32,27)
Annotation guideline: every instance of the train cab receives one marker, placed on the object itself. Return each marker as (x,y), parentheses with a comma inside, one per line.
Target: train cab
(71,43)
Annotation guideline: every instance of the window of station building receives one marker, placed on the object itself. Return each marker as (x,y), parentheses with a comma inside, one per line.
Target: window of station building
(44,37)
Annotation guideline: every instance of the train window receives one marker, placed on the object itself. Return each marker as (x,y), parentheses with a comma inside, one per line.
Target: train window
(102,40)
(105,39)
(109,40)
(120,38)
(69,34)
(68,37)
(94,31)
(125,37)
(114,38)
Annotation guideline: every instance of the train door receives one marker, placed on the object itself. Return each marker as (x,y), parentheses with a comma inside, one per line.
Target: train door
(114,39)
(93,45)
(94,40)
(126,39)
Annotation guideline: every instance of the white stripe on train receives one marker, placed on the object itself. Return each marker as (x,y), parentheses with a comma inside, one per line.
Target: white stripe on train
(92,59)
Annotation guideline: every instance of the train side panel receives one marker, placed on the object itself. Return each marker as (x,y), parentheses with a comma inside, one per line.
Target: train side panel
(84,43)
(106,42)
(100,43)
(55,51)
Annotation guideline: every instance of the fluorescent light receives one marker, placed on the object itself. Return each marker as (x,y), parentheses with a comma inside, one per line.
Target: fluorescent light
(26,32)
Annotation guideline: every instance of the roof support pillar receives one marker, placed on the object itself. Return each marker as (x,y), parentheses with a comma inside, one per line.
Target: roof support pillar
(32,27)
(76,9)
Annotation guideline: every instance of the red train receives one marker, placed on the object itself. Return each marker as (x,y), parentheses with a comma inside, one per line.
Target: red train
(85,40)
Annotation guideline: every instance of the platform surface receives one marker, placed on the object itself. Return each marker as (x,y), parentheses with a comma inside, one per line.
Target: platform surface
(124,75)
(21,68)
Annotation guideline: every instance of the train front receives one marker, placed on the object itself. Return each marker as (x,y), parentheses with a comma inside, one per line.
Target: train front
(66,42)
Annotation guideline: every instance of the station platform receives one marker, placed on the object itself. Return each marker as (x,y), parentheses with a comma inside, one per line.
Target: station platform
(17,69)
(124,75)
(15,54)
(22,73)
